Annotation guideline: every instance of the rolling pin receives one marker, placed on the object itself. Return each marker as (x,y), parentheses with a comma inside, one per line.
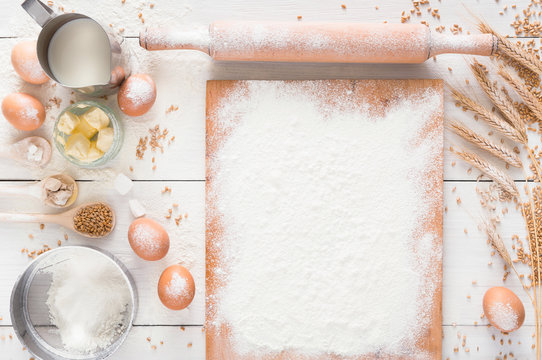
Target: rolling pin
(317,42)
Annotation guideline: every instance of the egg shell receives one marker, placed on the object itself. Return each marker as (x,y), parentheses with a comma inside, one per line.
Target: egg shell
(503,309)
(23,111)
(137,95)
(24,59)
(117,75)
(176,287)
(148,239)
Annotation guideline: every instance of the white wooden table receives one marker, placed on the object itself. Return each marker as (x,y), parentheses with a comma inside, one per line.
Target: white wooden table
(180,79)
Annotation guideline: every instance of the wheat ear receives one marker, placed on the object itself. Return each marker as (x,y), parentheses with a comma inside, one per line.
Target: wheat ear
(496,242)
(503,180)
(492,119)
(512,50)
(497,150)
(527,96)
(498,98)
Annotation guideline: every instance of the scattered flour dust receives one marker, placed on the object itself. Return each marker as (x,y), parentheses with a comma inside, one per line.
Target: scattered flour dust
(321,208)
(87,301)
(145,237)
(140,91)
(234,39)
(178,287)
(504,316)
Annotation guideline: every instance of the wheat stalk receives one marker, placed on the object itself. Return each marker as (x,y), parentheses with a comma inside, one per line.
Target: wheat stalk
(531,211)
(512,50)
(498,98)
(496,242)
(531,214)
(497,150)
(532,102)
(492,119)
(503,180)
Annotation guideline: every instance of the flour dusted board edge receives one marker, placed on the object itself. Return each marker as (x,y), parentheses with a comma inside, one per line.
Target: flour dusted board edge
(379,94)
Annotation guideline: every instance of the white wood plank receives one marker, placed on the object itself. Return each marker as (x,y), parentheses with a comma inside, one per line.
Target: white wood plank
(15,22)
(480,344)
(186,244)
(177,344)
(182,73)
(467,257)
(180,82)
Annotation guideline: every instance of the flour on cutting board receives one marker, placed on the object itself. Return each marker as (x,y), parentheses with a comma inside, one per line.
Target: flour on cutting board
(317,245)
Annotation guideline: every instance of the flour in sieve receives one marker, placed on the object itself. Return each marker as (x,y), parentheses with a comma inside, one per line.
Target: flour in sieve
(321,208)
(88,299)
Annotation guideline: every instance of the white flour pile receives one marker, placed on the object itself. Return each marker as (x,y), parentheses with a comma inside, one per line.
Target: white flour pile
(321,209)
(87,302)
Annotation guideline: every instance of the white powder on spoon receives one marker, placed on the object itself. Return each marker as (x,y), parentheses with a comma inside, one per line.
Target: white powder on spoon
(34,153)
(321,209)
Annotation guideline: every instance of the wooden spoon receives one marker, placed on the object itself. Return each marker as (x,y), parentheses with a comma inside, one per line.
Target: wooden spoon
(19,151)
(37,190)
(65,219)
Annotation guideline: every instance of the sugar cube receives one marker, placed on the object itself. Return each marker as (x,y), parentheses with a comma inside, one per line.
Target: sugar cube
(136,208)
(123,184)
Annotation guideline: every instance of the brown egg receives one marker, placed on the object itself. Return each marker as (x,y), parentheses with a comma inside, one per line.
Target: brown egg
(117,75)
(176,287)
(23,111)
(148,239)
(24,59)
(503,309)
(137,95)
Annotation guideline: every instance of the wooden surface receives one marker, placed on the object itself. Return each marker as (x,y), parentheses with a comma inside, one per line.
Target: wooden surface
(379,95)
(180,78)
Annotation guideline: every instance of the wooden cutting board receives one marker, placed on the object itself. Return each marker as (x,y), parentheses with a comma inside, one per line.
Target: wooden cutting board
(379,94)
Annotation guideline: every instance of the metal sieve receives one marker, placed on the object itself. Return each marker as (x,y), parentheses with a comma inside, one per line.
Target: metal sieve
(30,313)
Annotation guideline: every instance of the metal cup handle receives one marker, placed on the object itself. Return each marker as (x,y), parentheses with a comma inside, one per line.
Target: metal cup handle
(38,11)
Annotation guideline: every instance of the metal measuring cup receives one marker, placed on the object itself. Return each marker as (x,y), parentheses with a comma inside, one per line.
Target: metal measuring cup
(50,23)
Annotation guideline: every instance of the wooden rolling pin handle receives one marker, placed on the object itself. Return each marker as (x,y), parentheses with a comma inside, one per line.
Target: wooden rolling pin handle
(159,38)
(480,44)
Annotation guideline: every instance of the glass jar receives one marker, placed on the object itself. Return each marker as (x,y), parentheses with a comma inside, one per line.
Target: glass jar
(79,108)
